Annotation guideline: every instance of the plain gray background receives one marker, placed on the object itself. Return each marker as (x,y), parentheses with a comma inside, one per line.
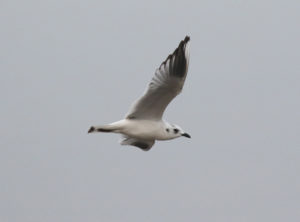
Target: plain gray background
(66,65)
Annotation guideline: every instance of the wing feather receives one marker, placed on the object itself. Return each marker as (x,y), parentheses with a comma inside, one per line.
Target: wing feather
(142,144)
(166,84)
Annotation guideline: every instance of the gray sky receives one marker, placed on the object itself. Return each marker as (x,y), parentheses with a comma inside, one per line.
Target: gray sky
(65,65)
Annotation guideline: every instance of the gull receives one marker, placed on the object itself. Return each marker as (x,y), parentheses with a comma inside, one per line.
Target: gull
(143,124)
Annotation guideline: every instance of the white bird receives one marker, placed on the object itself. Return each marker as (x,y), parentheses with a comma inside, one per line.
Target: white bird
(144,124)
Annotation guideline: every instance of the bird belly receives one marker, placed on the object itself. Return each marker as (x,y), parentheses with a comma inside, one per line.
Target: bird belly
(142,129)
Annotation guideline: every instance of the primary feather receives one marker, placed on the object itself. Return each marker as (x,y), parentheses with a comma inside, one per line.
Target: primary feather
(166,84)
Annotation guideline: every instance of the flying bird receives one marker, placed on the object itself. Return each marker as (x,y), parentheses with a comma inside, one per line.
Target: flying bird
(144,124)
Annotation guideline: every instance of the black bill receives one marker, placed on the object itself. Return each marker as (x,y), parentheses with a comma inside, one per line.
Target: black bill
(186,135)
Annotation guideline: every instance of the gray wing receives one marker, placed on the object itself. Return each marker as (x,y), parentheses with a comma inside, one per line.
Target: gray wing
(166,84)
(142,144)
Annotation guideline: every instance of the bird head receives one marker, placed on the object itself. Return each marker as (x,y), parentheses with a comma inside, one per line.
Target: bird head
(175,131)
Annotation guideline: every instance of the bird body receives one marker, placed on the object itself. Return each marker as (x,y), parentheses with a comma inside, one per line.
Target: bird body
(144,124)
(140,129)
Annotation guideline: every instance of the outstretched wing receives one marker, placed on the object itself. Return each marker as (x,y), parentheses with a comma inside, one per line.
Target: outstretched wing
(166,84)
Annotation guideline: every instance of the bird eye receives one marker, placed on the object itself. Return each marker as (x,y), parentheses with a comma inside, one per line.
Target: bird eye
(176,130)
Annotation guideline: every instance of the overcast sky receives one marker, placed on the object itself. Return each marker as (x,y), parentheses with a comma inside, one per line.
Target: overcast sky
(66,65)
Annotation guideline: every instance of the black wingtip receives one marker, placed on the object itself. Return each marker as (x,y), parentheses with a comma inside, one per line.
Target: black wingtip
(184,42)
(181,47)
(186,39)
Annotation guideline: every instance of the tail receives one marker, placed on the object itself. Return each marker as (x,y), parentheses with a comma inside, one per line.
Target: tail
(104,129)
(113,127)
